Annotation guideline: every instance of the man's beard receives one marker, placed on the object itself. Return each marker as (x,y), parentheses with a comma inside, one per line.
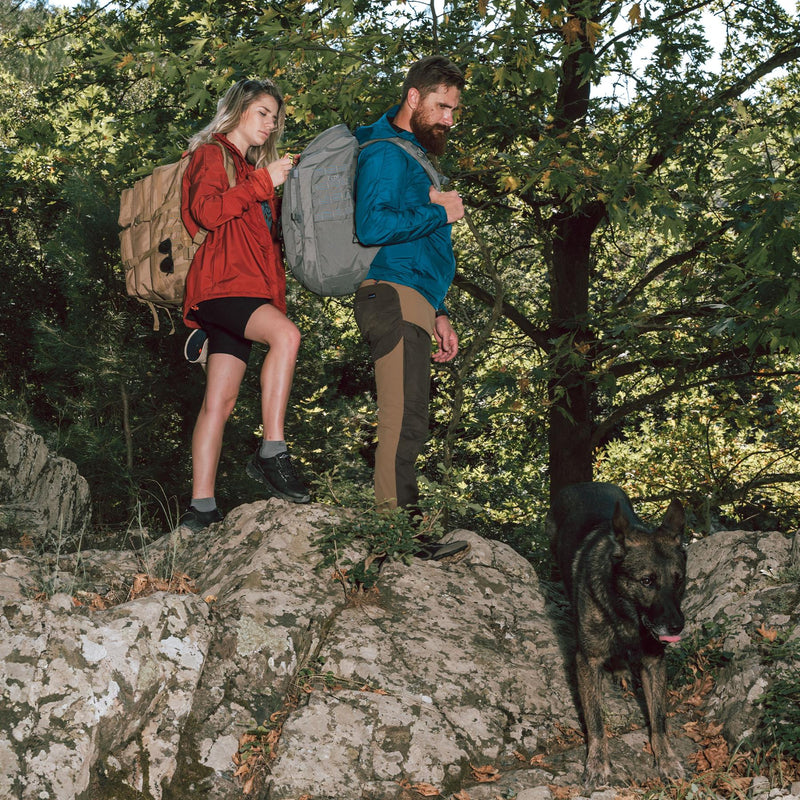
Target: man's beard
(432,137)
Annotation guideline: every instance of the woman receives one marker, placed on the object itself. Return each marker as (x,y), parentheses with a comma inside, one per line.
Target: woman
(236,286)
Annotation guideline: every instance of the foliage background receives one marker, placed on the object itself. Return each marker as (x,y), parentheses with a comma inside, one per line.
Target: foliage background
(627,293)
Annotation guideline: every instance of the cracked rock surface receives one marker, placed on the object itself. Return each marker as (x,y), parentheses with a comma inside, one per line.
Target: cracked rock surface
(448,669)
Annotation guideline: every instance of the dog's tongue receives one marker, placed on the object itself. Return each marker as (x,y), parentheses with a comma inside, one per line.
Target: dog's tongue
(669,639)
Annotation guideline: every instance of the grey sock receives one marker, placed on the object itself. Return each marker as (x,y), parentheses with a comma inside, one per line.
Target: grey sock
(204,503)
(270,449)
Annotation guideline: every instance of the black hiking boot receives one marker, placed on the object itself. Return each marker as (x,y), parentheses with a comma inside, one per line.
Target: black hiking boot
(196,520)
(278,475)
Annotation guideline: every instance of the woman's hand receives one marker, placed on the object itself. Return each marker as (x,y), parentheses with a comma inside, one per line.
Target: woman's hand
(279,170)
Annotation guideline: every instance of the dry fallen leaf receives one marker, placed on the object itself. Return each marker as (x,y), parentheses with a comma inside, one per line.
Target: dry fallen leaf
(693,731)
(702,686)
(426,789)
(487,774)
(770,634)
(699,731)
(462,795)
(713,757)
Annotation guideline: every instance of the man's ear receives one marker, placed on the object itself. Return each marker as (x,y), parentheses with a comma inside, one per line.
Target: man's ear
(412,98)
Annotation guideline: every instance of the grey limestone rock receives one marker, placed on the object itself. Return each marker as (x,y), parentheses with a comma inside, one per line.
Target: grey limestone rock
(448,668)
(43,498)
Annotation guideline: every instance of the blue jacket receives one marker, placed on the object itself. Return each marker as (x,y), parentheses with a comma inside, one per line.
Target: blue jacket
(393,209)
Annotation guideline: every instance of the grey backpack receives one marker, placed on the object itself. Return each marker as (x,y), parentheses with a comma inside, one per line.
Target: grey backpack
(318,212)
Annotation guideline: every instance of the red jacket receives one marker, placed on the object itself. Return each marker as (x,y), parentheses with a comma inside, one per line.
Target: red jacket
(239,257)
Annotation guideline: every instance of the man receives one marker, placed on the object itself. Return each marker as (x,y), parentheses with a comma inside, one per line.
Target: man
(400,305)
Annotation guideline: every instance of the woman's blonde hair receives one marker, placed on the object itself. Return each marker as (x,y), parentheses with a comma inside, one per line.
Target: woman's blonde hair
(229,111)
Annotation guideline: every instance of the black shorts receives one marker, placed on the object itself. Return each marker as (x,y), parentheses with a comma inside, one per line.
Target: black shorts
(224,319)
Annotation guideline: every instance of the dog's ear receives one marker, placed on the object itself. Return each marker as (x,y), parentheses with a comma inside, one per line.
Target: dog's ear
(621,528)
(675,520)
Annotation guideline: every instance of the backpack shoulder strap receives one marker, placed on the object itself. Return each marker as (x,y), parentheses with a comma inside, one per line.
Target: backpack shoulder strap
(437,179)
(227,160)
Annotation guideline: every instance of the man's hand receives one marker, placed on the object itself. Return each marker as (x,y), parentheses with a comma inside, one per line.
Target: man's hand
(450,201)
(446,339)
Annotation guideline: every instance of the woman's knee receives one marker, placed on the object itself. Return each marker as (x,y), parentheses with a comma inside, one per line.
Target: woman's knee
(219,401)
(285,337)
(218,408)
(286,342)
(293,337)
(271,327)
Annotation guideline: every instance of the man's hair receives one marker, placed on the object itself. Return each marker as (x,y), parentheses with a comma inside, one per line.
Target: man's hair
(427,74)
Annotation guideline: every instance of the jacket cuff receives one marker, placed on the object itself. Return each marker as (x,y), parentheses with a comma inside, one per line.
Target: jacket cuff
(442,212)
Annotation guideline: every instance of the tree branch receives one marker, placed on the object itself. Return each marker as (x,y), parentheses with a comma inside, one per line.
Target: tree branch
(721,98)
(535,334)
(674,260)
(604,428)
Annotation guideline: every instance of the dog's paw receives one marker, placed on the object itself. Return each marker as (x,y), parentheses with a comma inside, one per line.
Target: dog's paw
(596,774)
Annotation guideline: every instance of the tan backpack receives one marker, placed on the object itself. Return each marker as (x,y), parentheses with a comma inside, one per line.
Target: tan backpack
(157,250)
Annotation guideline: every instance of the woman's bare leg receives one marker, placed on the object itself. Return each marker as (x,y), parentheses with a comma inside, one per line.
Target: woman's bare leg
(223,379)
(271,327)
(272,465)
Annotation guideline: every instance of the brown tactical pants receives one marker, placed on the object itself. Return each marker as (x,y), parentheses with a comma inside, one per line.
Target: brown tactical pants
(397,324)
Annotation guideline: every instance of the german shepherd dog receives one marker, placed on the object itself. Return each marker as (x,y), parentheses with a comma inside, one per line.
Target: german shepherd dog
(625,582)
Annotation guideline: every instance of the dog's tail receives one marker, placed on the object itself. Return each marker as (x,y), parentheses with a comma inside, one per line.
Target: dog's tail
(551,529)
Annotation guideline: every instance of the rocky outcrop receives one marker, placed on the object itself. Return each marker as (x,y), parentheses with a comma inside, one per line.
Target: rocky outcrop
(44,501)
(445,667)
(448,675)
(230,664)
(746,596)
